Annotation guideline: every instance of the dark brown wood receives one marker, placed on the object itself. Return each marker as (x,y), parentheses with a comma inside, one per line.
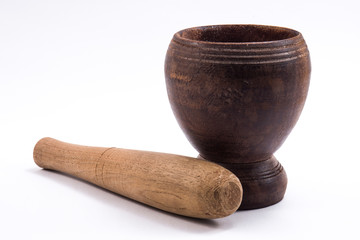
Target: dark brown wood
(237,91)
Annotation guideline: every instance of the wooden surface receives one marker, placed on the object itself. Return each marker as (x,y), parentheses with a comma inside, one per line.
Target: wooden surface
(237,91)
(173,183)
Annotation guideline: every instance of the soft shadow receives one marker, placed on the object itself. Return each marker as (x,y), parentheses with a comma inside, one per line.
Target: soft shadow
(109,198)
(261,218)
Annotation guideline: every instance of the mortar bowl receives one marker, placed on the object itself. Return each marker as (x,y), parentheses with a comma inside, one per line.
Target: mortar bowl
(237,91)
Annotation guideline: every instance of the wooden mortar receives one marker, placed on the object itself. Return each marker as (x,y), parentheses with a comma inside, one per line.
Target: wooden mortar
(237,91)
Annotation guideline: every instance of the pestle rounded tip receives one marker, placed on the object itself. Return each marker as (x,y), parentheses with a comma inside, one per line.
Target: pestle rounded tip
(226,197)
(229,195)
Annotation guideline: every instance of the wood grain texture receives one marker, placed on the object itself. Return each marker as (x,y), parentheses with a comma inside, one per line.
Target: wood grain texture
(173,183)
(237,91)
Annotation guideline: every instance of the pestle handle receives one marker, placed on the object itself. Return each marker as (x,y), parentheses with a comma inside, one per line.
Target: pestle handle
(178,184)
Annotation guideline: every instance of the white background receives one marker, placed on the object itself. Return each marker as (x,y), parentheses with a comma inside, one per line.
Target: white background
(91,73)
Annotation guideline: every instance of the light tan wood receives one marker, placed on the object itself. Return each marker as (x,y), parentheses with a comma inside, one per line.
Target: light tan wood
(178,184)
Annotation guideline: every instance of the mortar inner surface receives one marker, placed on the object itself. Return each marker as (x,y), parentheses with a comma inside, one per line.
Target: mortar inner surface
(238,33)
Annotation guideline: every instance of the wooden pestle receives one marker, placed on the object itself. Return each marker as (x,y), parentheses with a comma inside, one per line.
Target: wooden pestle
(178,184)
